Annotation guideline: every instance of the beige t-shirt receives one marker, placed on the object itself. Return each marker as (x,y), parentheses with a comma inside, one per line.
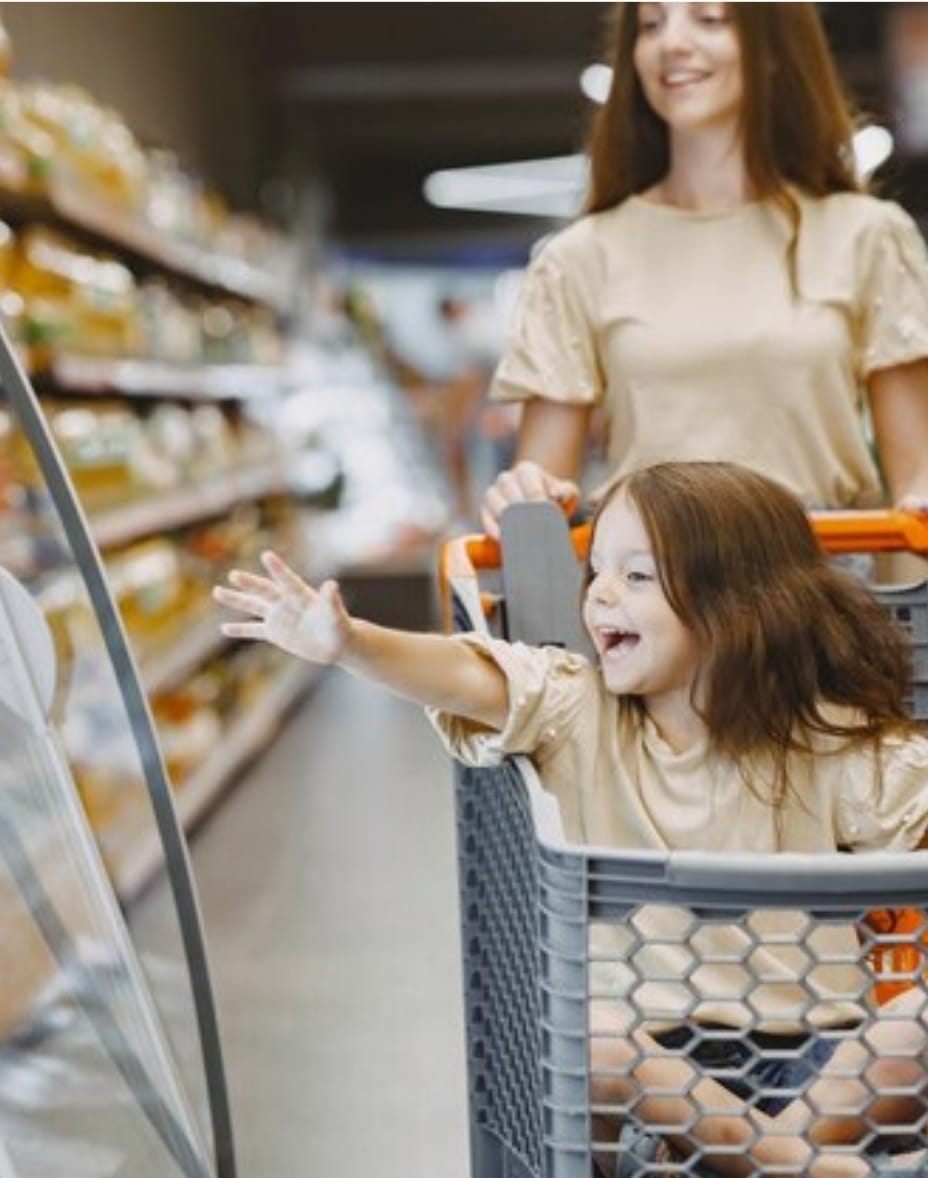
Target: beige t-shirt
(686,328)
(619,785)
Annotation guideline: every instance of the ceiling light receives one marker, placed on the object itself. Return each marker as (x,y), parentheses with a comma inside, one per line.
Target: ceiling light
(596,82)
(873,145)
(551,187)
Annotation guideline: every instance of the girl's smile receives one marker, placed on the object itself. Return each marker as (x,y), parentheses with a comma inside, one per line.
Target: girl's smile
(644,648)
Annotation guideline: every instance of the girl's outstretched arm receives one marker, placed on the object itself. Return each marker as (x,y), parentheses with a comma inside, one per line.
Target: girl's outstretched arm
(430,669)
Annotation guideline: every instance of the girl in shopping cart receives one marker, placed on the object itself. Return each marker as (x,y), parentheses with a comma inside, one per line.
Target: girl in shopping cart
(746,696)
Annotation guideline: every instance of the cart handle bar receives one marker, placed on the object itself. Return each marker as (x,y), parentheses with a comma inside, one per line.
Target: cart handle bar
(837,531)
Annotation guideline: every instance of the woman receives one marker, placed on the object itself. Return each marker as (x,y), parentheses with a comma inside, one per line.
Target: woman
(731,293)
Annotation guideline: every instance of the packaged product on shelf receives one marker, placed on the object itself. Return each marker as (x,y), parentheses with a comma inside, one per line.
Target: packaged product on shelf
(156,598)
(13,314)
(264,341)
(7,254)
(172,439)
(169,324)
(11,522)
(213,547)
(101,753)
(189,724)
(26,151)
(215,441)
(95,152)
(177,202)
(222,327)
(74,301)
(98,442)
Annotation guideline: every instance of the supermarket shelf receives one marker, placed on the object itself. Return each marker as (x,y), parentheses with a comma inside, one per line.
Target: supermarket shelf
(133,234)
(238,746)
(145,517)
(93,375)
(198,644)
(185,505)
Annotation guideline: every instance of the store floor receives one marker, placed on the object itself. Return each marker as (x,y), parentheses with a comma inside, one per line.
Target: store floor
(326,878)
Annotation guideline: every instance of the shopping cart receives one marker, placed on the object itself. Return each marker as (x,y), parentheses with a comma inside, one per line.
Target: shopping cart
(542,917)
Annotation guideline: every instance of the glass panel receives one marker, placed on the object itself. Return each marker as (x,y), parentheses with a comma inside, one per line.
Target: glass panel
(108,1045)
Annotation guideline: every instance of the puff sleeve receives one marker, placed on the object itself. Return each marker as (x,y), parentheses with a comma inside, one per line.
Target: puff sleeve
(894,295)
(546,691)
(884,803)
(551,349)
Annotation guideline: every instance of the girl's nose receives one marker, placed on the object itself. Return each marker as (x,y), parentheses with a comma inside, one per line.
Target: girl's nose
(602,589)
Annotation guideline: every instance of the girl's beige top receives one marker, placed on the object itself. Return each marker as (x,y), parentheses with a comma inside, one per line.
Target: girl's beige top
(619,785)
(690,331)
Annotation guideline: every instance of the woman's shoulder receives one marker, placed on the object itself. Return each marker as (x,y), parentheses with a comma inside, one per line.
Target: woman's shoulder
(588,237)
(849,244)
(852,214)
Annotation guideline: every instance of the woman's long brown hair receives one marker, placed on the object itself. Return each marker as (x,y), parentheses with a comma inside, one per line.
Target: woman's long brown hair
(783,631)
(796,120)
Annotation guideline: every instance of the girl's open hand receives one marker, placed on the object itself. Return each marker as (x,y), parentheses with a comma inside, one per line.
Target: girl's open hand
(283,610)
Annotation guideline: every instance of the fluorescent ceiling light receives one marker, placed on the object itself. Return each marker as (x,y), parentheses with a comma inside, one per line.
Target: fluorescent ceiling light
(554,187)
(551,187)
(596,82)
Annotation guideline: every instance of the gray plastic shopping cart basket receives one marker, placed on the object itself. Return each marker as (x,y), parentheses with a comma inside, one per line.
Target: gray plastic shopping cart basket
(543,919)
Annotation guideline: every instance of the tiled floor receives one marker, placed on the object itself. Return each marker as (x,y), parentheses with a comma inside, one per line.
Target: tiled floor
(326,879)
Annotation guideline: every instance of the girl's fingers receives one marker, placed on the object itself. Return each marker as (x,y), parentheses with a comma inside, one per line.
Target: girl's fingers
(253,583)
(245,602)
(243,629)
(282,573)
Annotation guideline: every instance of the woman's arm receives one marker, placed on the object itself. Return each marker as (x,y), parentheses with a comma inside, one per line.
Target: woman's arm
(899,408)
(552,441)
(430,669)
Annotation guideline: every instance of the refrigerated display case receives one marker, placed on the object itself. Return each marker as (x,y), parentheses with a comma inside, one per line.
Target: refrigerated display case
(110,1060)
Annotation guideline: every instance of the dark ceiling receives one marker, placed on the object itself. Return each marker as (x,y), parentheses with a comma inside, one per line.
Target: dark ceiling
(373,97)
(347,107)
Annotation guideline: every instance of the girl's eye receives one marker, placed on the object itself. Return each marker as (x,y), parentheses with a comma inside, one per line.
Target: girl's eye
(712,15)
(638,577)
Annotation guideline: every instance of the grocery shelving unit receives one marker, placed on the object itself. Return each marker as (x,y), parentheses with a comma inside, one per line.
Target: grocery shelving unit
(145,382)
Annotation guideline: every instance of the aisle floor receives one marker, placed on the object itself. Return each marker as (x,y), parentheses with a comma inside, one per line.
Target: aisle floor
(327,884)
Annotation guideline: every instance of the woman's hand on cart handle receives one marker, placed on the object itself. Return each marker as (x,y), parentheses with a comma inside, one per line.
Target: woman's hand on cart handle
(287,612)
(914,502)
(525,482)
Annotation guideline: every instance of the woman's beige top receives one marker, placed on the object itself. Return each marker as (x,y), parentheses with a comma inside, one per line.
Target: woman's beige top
(619,785)
(686,328)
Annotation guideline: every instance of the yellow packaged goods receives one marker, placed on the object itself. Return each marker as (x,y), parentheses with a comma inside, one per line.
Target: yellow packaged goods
(7,254)
(26,151)
(73,300)
(95,150)
(148,584)
(97,440)
(189,726)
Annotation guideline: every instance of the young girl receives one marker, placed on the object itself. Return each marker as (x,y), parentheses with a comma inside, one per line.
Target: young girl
(747,696)
(730,292)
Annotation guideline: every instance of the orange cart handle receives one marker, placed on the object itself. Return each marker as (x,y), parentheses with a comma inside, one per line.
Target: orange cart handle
(872,531)
(838,531)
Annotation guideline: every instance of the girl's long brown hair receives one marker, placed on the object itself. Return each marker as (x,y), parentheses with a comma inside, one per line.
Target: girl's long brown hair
(783,631)
(796,120)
